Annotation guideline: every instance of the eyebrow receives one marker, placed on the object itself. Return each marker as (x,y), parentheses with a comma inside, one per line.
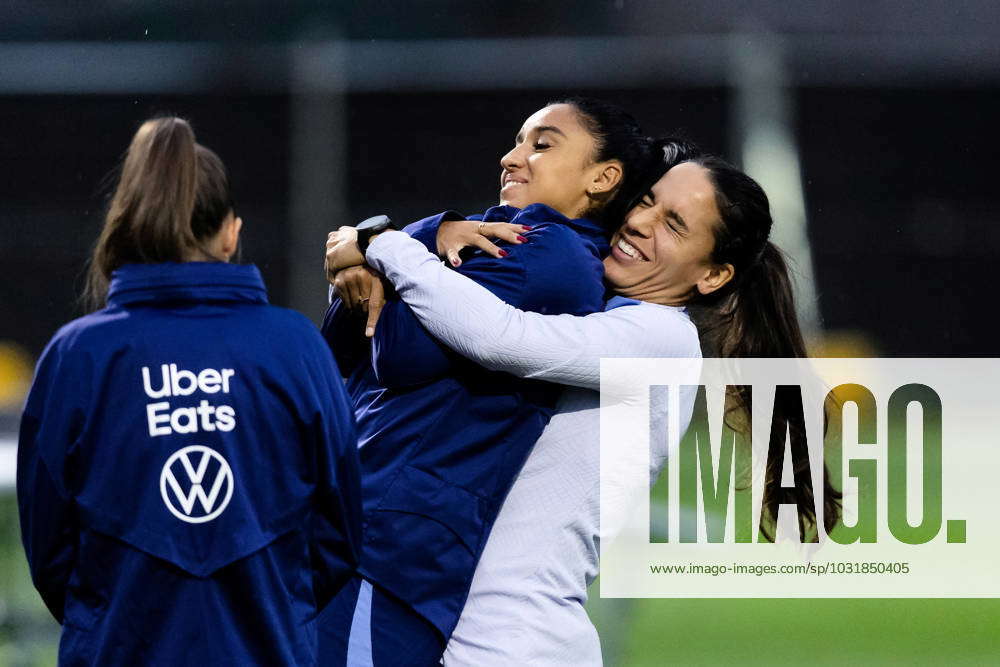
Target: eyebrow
(539,130)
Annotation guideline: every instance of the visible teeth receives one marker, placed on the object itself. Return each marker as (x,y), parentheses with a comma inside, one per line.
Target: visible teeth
(628,249)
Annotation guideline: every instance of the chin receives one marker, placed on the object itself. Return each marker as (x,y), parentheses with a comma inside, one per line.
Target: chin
(611,269)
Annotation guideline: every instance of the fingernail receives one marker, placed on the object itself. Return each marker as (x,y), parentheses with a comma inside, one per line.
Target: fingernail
(370,331)
(522,239)
(503,253)
(525,227)
(455,262)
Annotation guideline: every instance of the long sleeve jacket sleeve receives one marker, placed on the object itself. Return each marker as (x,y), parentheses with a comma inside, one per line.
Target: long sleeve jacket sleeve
(536,276)
(563,349)
(52,422)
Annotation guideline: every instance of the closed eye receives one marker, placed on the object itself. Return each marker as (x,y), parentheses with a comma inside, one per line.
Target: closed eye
(676,223)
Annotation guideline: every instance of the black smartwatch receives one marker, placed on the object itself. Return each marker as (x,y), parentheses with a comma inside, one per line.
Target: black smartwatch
(370,227)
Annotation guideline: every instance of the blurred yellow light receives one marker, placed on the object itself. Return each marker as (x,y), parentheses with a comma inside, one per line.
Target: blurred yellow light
(843,344)
(16,370)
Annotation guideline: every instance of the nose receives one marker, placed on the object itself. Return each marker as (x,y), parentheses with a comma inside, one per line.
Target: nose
(639,223)
(513,159)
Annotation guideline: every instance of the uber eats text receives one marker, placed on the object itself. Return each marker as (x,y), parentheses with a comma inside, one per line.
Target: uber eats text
(171,381)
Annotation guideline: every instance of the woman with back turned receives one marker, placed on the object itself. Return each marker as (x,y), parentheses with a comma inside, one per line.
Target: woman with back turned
(187,472)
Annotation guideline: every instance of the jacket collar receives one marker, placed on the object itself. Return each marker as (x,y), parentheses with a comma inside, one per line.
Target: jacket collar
(617,301)
(188,281)
(542,213)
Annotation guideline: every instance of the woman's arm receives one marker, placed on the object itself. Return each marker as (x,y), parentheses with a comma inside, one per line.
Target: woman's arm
(53,418)
(402,352)
(564,349)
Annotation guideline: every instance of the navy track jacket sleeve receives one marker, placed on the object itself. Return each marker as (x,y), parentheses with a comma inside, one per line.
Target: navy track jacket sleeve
(344,330)
(52,421)
(336,535)
(426,230)
(543,275)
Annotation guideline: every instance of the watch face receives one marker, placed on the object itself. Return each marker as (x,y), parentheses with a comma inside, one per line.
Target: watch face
(368,228)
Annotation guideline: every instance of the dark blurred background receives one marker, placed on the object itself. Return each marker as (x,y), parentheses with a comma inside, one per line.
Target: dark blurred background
(870,124)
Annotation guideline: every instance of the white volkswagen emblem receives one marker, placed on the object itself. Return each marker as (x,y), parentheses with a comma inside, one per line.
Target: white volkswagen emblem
(220,485)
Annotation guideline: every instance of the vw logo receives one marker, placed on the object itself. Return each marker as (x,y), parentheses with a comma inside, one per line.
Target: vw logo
(196,474)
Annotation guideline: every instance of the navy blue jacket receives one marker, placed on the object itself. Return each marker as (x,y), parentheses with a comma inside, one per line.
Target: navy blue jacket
(441,439)
(187,474)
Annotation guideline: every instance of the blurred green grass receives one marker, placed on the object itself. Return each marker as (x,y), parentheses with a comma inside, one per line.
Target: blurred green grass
(798,632)
(28,634)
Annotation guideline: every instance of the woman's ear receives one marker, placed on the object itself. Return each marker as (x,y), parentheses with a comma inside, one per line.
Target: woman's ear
(608,177)
(717,277)
(231,235)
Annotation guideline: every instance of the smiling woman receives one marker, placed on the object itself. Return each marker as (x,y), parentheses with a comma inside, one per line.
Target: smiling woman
(546,162)
(663,251)
(440,439)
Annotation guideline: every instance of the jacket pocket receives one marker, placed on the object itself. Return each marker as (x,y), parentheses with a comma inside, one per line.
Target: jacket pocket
(424,495)
(422,543)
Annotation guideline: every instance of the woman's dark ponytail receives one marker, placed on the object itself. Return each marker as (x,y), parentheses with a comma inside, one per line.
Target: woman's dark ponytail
(171,194)
(754,316)
(757,317)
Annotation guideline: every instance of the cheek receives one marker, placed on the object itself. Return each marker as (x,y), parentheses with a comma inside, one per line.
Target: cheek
(692,270)
(553,171)
(672,264)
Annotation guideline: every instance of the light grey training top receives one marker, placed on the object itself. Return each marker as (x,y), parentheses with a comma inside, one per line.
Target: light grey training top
(525,606)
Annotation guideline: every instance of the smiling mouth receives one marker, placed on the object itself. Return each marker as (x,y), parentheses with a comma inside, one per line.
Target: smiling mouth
(630,250)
